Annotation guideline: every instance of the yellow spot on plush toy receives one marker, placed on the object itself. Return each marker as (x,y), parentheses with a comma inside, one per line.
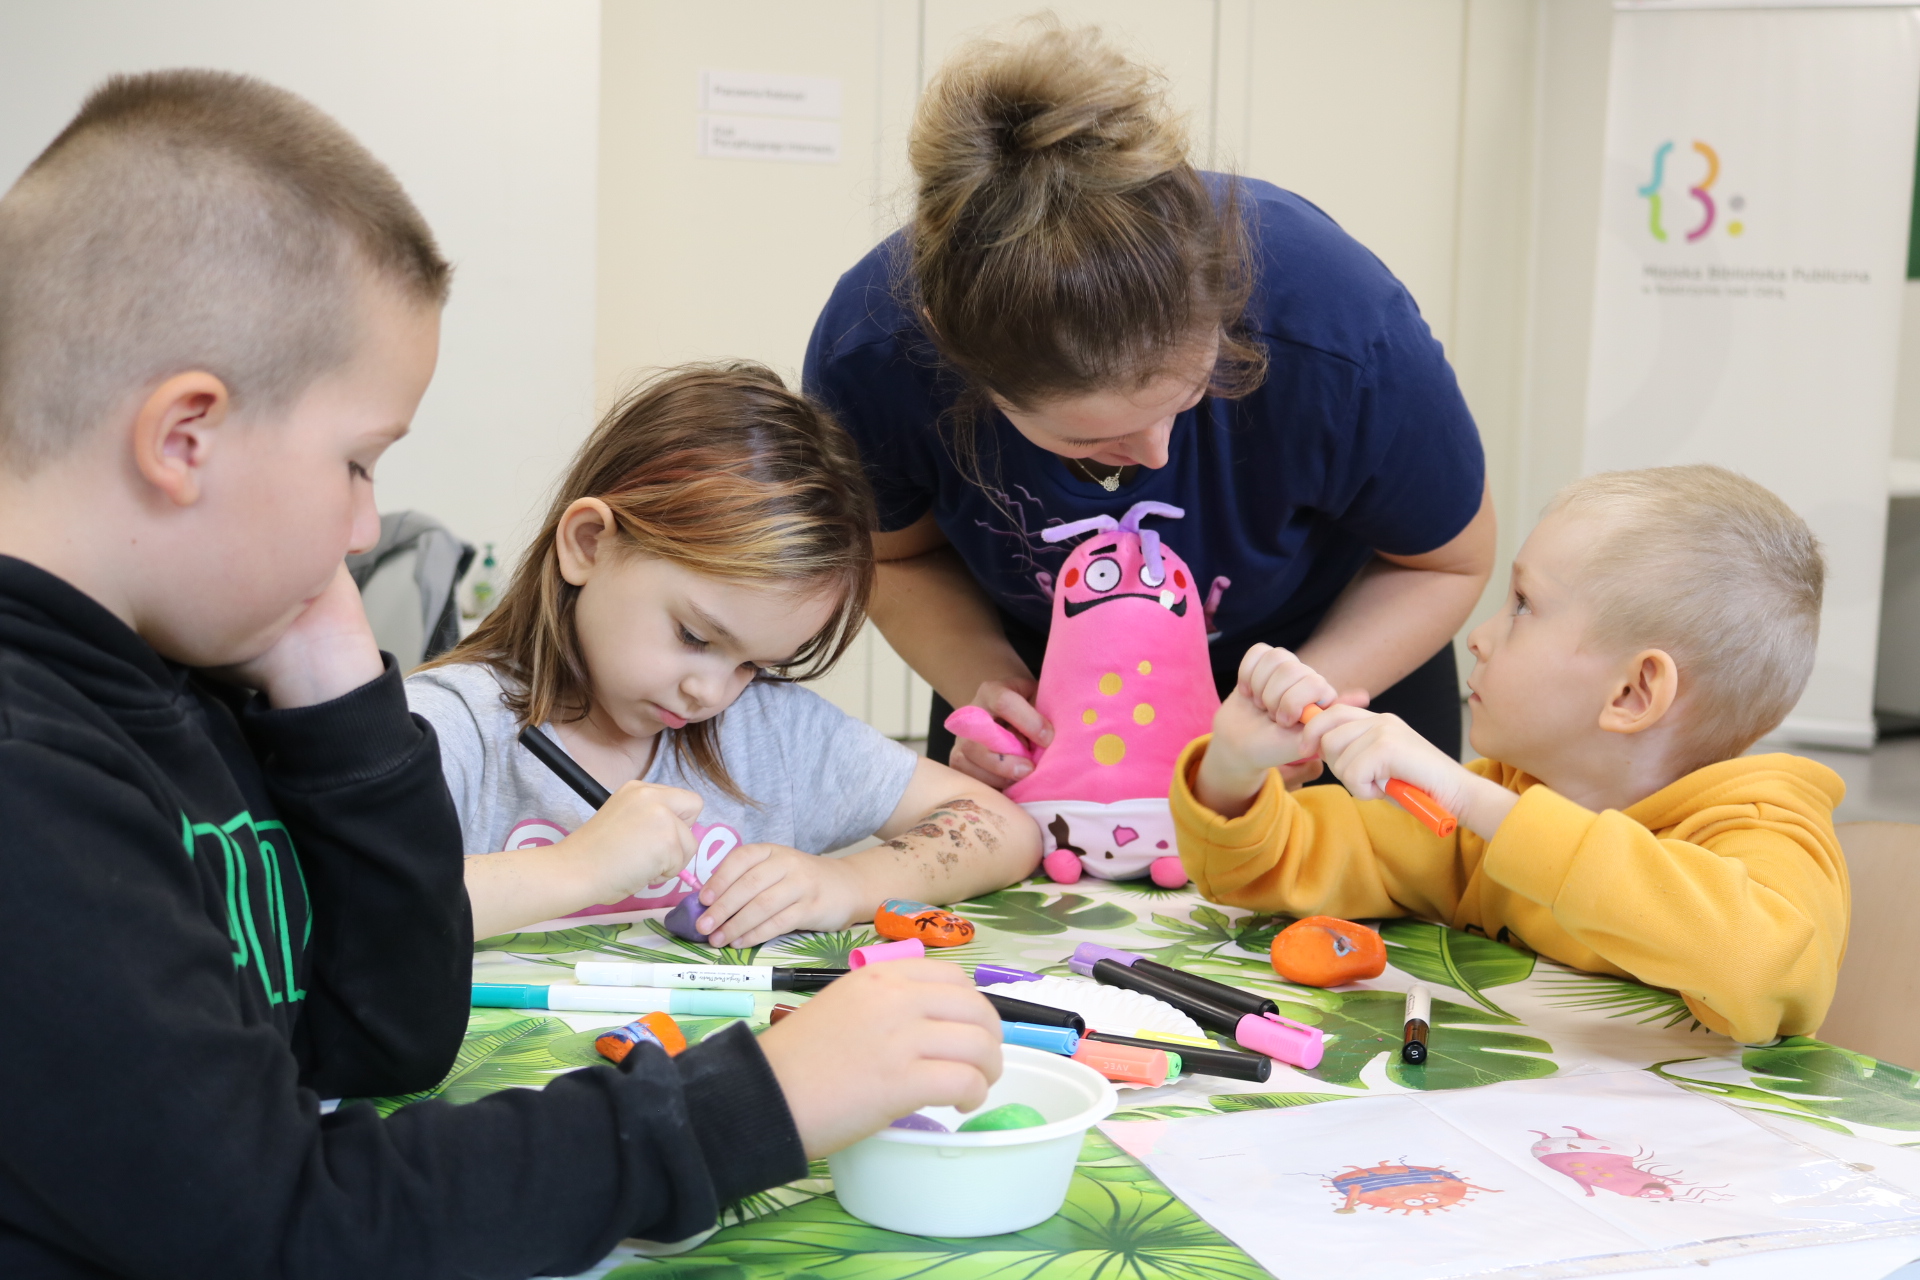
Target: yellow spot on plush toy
(1143,713)
(1109,749)
(1145,668)
(1089,716)
(1110,683)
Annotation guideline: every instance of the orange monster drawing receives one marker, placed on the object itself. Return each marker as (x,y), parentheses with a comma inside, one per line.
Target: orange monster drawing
(1402,1188)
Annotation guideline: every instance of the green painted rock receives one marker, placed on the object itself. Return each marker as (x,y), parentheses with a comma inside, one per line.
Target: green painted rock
(1015,1115)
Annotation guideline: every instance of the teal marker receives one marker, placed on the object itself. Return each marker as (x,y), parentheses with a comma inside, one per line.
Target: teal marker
(697,1004)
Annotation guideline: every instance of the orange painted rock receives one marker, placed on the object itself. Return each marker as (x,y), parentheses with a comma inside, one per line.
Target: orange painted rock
(1322,951)
(903,918)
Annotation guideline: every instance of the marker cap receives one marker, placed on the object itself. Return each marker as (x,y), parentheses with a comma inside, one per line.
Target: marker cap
(1087,953)
(1293,1043)
(905,949)
(988,974)
(1061,1040)
(508,995)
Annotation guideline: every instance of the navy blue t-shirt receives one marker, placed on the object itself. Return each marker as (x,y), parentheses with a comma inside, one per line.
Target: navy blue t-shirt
(1358,440)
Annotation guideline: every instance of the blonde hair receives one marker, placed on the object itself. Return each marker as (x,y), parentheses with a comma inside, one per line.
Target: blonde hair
(191,220)
(718,469)
(1061,242)
(1721,574)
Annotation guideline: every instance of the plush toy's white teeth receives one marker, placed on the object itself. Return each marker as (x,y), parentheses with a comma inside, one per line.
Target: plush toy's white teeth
(1166,599)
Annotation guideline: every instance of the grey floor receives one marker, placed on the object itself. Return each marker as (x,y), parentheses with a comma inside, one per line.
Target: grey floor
(1883,785)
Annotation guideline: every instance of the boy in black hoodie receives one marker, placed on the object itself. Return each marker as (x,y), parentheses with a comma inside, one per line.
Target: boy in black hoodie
(233,872)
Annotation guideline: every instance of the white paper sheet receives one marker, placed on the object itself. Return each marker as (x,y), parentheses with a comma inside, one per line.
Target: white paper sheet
(1568,1176)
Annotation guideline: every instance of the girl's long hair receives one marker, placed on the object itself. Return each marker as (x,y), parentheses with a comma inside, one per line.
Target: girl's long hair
(718,469)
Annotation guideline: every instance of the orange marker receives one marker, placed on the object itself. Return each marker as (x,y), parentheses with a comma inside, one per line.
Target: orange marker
(1127,1065)
(654,1028)
(1409,797)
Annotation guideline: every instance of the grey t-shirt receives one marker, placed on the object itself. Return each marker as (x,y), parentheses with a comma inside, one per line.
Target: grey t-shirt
(821,779)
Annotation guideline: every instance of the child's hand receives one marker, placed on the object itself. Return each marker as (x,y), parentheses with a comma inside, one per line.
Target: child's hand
(760,891)
(880,1043)
(639,837)
(1258,727)
(1366,750)
(329,650)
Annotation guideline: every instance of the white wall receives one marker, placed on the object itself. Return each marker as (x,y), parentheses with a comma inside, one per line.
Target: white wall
(487,110)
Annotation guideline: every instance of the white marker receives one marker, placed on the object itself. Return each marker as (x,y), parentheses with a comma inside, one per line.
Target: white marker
(1413,1037)
(701,977)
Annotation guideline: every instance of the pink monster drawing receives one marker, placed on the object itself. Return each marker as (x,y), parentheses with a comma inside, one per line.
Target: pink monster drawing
(1126,684)
(1592,1163)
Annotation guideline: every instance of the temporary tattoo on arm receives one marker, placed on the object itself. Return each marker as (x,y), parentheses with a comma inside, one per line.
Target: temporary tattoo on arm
(955,826)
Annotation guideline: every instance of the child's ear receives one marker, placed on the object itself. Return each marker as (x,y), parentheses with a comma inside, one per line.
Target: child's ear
(579,539)
(174,432)
(1644,695)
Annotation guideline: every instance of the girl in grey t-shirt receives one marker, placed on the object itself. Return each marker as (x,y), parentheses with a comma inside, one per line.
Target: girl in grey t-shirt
(710,542)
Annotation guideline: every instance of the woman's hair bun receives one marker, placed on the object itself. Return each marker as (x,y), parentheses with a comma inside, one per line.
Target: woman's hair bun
(1040,121)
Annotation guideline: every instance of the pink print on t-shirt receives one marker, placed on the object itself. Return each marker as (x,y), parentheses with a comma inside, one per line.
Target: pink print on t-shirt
(715,841)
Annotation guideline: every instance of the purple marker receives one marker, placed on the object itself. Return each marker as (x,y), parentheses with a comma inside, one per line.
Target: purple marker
(1220,993)
(987,975)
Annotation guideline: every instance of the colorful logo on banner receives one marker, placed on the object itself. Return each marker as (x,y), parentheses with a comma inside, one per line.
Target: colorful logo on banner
(1700,193)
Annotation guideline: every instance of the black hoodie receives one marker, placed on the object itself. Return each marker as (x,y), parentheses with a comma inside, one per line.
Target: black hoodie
(216,914)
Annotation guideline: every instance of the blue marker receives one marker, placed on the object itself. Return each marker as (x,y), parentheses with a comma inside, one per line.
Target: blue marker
(1061,1040)
(698,1004)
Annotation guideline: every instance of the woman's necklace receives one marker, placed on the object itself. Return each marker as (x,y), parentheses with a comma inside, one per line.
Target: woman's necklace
(1091,470)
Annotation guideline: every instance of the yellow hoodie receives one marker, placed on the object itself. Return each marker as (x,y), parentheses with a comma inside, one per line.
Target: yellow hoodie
(1727,886)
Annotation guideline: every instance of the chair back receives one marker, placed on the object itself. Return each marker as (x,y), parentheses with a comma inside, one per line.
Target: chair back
(1880,982)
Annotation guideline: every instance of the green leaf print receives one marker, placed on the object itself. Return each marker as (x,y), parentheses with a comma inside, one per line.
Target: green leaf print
(1028,912)
(1615,998)
(1837,1083)
(1742,1096)
(554,942)
(1435,953)
(1361,1025)
(498,1053)
(819,950)
(1114,1224)
(1271,1101)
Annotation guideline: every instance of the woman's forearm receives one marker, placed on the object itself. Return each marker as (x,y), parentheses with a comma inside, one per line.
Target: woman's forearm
(1387,622)
(936,617)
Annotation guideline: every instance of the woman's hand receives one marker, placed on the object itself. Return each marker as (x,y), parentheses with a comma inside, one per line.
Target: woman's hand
(760,891)
(1011,702)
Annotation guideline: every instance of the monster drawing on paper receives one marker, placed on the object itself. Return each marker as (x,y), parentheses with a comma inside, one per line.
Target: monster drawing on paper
(1593,1163)
(1402,1188)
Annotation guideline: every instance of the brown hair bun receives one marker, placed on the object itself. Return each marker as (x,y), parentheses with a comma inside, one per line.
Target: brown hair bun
(1061,241)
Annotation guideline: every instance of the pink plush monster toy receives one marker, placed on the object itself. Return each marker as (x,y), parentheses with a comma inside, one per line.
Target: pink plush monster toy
(1126,684)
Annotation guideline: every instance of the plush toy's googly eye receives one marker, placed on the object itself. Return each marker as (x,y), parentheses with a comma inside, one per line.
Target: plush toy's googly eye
(1147,577)
(1103,575)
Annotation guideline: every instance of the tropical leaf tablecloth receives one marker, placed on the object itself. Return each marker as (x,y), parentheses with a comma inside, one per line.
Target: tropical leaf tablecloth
(1499,1013)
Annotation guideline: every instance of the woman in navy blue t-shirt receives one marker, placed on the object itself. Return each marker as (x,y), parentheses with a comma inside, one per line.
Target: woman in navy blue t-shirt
(1077,320)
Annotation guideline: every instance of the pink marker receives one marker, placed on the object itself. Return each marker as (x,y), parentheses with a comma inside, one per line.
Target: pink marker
(1294,1043)
(906,949)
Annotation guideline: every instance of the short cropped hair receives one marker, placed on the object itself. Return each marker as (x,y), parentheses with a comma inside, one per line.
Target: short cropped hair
(191,220)
(1721,574)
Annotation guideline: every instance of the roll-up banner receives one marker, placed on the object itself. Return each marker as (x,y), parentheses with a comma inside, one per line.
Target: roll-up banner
(1747,301)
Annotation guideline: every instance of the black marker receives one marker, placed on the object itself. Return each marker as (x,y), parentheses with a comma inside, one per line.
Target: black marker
(1210,1062)
(565,767)
(1040,1015)
(1413,1039)
(1206,1012)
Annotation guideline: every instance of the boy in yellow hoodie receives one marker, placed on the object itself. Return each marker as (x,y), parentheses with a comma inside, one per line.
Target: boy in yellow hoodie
(1658,623)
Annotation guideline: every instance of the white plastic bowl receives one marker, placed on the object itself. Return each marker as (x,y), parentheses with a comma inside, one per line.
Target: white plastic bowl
(979,1184)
